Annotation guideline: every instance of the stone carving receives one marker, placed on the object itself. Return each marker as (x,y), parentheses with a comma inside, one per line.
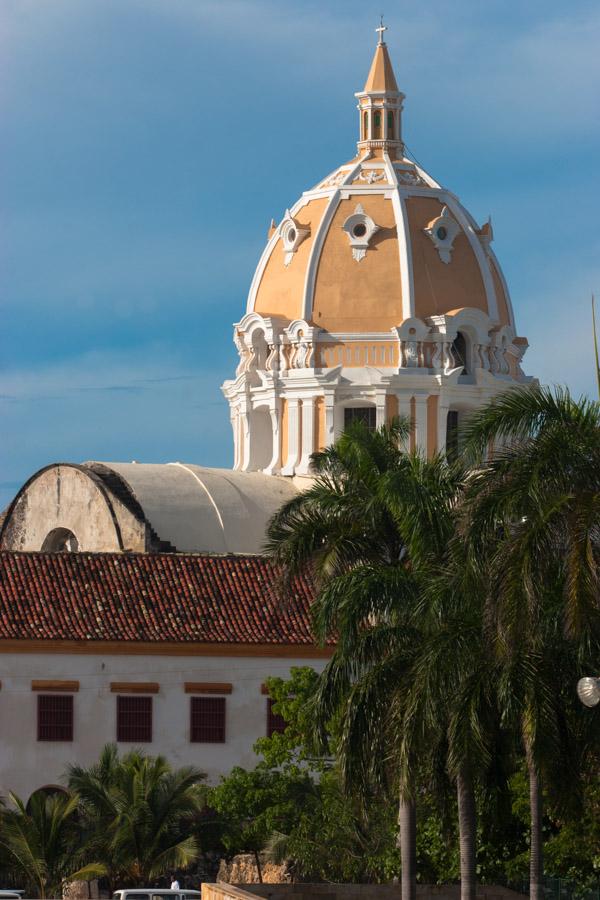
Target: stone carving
(360,228)
(292,235)
(370,176)
(442,230)
(409,176)
(334,180)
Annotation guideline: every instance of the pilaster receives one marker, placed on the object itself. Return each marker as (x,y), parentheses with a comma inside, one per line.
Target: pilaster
(294,434)
(307,435)
(421,422)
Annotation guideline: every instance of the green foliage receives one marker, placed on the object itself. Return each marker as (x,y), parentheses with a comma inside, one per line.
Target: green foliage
(138,813)
(292,803)
(43,843)
(295,746)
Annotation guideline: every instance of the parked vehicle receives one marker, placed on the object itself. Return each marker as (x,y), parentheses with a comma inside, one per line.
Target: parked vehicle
(154,893)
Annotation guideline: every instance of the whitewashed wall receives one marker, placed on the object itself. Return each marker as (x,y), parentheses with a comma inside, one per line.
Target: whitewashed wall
(27,764)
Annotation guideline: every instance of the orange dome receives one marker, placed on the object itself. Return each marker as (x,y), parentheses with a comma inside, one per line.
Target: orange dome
(402,272)
(327,276)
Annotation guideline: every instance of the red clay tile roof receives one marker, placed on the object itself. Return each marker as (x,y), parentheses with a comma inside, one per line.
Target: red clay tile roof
(148,597)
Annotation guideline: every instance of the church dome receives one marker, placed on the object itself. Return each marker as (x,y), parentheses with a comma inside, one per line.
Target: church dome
(378,240)
(377,295)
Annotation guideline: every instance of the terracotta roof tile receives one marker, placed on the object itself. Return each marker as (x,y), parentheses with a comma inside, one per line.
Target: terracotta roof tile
(149,597)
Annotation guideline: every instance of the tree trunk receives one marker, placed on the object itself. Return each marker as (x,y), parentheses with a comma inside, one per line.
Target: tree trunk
(407,818)
(467,822)
(258,868)
(536,844)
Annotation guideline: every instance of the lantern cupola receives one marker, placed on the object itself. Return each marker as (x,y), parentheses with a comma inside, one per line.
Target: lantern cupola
(380,105)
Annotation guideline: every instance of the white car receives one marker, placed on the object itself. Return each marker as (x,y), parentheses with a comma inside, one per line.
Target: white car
(154,894)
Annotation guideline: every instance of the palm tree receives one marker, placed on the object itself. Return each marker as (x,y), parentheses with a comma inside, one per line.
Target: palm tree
(340,524)
(532,518)
(43,842)
(138,811)
(374,530)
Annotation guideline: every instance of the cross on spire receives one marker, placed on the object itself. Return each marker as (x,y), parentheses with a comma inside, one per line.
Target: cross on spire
(381,29)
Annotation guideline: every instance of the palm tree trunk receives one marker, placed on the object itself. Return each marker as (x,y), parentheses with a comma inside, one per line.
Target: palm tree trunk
(467,821)
(536,844)
(258,866)
(407,818)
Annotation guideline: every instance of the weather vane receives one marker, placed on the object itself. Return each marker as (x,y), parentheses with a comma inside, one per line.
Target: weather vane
(381,29)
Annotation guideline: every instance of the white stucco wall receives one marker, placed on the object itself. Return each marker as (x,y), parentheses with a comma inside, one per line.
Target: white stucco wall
(26,763)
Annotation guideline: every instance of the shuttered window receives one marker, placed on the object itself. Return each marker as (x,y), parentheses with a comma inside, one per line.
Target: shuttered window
(366,415)
(275,722)
(207,720)
(134,719)
(55,717)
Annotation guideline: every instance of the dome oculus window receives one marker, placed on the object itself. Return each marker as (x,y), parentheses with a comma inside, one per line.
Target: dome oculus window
(292,234)
(442,231)
(360,229)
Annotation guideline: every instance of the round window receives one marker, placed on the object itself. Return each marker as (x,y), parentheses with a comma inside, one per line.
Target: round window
(442,233)
(359,230)
(291,235)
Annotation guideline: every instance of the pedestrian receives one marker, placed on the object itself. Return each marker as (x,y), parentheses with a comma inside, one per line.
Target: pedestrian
(174,883)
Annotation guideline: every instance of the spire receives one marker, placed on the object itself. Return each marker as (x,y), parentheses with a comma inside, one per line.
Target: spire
(380,103)
(381,75)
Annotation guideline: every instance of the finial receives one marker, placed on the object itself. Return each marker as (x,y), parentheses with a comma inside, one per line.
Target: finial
(381,29)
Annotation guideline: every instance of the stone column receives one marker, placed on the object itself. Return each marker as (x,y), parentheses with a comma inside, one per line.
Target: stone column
(329,419)
(379,409)
(442,424)
(275,413)
(293,455)
(308,435)
(404,412)
(234,419)
(244,433)
(421,423)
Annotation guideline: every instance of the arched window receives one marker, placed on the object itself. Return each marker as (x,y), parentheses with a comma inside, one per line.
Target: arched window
(390,126)
(364,414)
(365,126)
(377,125)
(460,352)
(60,540)
(49,790)
(260,351)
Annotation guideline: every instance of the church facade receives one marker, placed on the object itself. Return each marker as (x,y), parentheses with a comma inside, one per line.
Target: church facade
(135,592)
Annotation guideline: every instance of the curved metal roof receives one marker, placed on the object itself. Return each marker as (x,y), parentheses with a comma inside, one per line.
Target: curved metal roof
(202,509)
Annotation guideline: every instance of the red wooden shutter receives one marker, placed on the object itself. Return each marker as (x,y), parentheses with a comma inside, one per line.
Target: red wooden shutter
(207,724)
(134,719)
(275,722)
(55,717)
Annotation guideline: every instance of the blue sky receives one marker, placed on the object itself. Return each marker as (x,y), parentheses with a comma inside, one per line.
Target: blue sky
(146,144)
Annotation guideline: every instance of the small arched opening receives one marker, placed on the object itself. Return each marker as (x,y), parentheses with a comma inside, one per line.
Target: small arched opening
(377,125)
(365,126)
(461,352)
(43,793)
(390,127)
(260,350)
(60,540)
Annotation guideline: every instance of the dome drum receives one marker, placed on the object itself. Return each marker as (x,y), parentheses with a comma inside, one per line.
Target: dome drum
(303,378)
